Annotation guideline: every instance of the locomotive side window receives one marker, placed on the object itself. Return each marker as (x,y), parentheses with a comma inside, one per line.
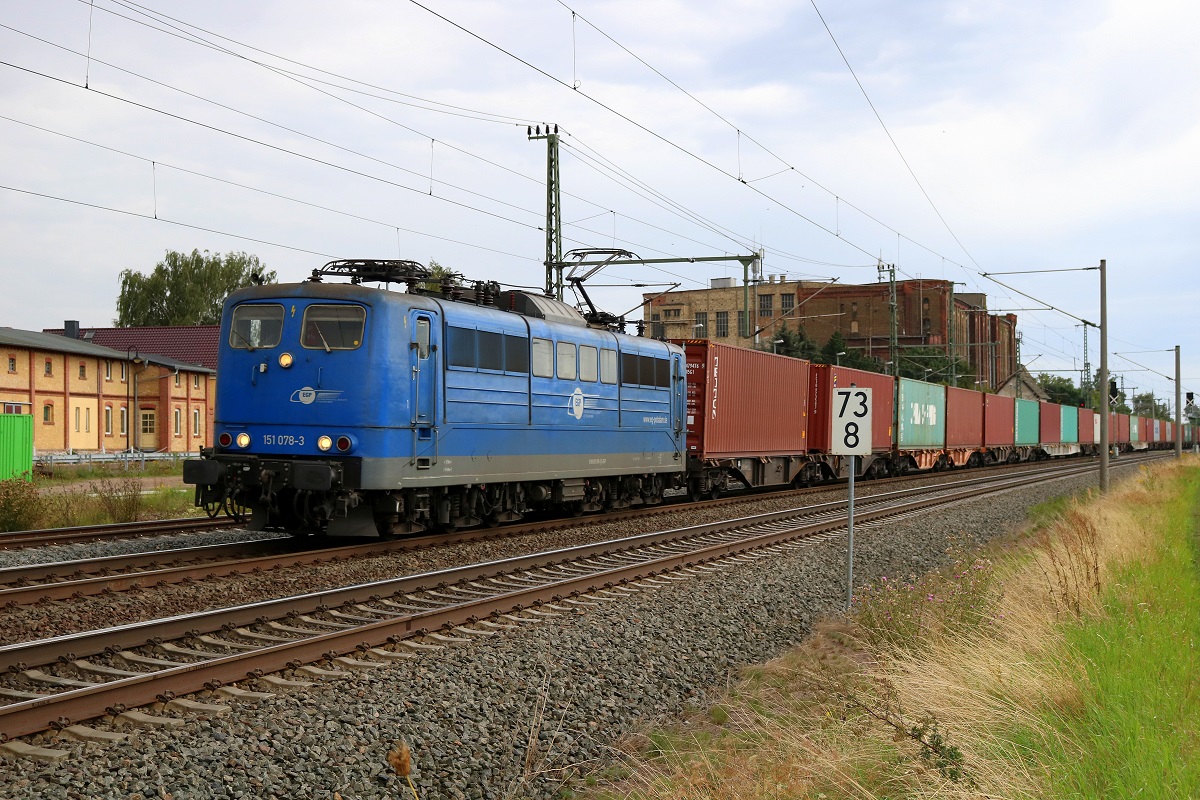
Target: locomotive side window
(491,351)
(566,361)
(462,346)
(498,352)
(255,326)
(629,369)
(543,358)
(422,335)
(587,363)
(516,354)
(662,373)
(329,327)
(608,366)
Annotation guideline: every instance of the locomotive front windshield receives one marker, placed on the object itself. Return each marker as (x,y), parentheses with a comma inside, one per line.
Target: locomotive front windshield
(333,327)
(256,325)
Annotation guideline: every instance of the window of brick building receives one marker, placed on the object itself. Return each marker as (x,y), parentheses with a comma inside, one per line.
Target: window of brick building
(701,328)
(178,422)
(108,420)
(766,305)
(48,413)
(742,324)
(722,323)
(108,370)
(12,364)
(787,302)
(49,367)
(82,370)
(196,381)
(195,422)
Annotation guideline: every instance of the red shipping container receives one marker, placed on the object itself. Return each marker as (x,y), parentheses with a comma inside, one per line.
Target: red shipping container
(744,402)
(1087,426)
(824,379)
(999,420)
(1050,423)
(1122,429)
(964,418)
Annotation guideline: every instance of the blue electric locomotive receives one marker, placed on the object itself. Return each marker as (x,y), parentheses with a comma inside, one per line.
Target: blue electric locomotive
(347,409)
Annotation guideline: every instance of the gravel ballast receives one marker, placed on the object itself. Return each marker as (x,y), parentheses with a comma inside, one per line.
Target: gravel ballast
(515,714)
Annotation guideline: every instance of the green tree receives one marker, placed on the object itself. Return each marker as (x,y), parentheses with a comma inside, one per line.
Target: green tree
(1060,389)
(186,289)
(933,365)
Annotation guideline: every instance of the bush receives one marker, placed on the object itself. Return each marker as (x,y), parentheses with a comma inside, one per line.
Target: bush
(120,498)
(20,505)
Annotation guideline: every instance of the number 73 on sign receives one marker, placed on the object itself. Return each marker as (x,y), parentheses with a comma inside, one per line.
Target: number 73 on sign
(851,435)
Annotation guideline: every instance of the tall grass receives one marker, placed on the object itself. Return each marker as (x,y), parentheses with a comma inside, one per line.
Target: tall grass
(1063,666)
(25,507)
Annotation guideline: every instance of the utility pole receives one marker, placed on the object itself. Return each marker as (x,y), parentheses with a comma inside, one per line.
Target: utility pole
(1178,410)
(1103,376)
(893,337)
(1087,368)
(554,266)
(950,339)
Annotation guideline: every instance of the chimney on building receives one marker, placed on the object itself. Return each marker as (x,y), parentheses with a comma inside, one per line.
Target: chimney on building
(71,329)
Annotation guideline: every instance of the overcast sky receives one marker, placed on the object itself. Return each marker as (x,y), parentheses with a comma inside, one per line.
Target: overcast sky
(1041,136)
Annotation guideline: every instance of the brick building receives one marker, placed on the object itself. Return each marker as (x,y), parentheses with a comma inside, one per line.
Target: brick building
(928,313)
(89,398)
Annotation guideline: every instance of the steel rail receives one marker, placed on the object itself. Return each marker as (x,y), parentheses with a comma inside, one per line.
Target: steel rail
(120,530)
(84,703)
(109,574)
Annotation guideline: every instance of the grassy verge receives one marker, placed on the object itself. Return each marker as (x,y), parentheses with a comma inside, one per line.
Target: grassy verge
(76,473)
(1062,666)
(25,506)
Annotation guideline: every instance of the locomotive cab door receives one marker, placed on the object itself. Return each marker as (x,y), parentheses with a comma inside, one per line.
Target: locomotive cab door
(424,372)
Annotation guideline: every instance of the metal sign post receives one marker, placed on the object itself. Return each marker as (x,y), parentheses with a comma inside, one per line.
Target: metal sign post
(851,436)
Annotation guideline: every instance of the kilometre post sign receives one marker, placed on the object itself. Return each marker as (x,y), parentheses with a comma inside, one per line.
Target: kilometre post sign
(851,422)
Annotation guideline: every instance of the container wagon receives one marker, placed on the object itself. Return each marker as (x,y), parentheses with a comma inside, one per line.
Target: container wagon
(747,419)
(920,426)
(824,379)
(965,424)
(1026,430)
(999,429)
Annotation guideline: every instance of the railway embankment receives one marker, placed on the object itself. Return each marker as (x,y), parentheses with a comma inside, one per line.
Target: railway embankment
(1057,662)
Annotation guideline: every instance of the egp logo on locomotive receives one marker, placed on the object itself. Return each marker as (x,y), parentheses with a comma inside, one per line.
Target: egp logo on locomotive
(308,395)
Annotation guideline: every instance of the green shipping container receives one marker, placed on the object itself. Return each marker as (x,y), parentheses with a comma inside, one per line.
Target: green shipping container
(1135,428)
(1026,414)
(1070,424)
(16,446)
(922,415)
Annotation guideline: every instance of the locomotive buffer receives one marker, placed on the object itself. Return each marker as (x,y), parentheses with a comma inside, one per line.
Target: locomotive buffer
(851,437)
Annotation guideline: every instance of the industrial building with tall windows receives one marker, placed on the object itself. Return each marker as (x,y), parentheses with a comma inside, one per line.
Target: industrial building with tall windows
(929,313)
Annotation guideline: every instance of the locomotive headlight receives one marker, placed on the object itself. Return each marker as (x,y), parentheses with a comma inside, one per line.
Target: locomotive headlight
(324,443)
(285,360)
(243,439)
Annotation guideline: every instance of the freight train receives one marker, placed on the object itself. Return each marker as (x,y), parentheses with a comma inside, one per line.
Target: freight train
(355,410)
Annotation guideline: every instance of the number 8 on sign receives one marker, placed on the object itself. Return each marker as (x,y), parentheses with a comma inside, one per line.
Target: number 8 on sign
(851,422)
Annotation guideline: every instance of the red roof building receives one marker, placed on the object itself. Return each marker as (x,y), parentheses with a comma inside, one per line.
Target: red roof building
(187,344)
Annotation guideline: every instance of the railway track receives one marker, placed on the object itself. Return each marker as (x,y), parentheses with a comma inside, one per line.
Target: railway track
(122,530)
(25,585)
(57,681)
